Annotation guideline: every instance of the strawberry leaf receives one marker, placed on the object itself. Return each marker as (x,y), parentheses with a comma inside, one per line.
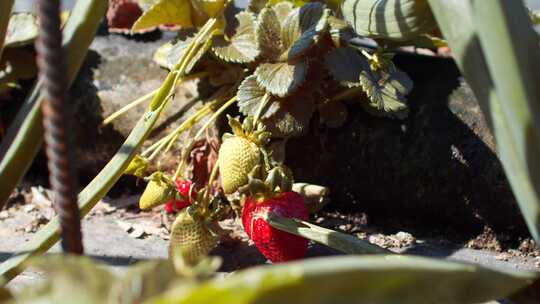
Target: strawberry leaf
(240,45)
(302,28)
(176,12)
(293,116)
(386,92)
(345,65)
(250,94)
(282,10)
(268,33)
(333,114)
(282,78)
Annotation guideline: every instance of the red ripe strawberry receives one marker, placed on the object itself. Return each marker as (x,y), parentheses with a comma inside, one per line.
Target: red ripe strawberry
(183,188)
(274,244)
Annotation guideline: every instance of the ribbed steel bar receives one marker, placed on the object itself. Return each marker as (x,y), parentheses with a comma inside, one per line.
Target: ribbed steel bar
(52,72)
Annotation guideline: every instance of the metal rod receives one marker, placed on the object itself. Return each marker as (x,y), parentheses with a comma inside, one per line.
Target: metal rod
(52,72)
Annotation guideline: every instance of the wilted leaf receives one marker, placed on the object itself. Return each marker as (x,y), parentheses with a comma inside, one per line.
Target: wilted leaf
(387,92)
(346,65)
(180,47)
(303,27)
(250,94)
(165,12)
(268,32)
(22,29)
(76,278)
(358,279)
(282,78)
(239,44)
(292,117)
(333,114)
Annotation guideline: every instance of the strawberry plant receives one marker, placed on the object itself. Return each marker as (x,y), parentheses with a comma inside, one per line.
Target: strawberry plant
(286,66)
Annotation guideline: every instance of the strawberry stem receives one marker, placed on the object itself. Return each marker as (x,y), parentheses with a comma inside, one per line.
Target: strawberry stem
(340,241)
(263,103)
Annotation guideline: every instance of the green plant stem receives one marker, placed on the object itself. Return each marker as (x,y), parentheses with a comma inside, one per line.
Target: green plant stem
(346,94)
(333,239)
(262,105)
(199,134)
(25,135)
(5,12)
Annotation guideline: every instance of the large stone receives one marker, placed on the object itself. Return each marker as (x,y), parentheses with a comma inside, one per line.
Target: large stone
(117,71)
(437,169)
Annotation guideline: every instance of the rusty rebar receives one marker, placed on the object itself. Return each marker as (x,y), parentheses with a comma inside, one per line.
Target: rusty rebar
(52,72)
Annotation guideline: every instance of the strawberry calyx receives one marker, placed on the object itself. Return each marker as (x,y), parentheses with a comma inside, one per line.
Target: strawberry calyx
(255,133)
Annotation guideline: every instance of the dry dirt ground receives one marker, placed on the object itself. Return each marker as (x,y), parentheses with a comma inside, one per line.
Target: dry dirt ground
(117,233)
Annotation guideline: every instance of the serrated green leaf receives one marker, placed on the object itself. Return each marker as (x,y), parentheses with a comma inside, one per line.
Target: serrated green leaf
(386,93)
(180,47)
(22,29)
(250,94)
(346,65)
(176,12)
(358,279)
(268,32)
(282,78)
(292,116)
(333,114)
(239,44)
(302,28)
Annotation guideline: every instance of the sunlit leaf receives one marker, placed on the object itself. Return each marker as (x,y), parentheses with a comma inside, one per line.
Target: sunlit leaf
(386,93)
(78,279)
(22,29)
(346,65)
(205,9)
(268,32)
(303,27)
(292,116)
(359,279)
(396,20)
(165,12)
(137,166)
(333,114)
(282,10)
(282,78)
(239,44)
(250,94)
